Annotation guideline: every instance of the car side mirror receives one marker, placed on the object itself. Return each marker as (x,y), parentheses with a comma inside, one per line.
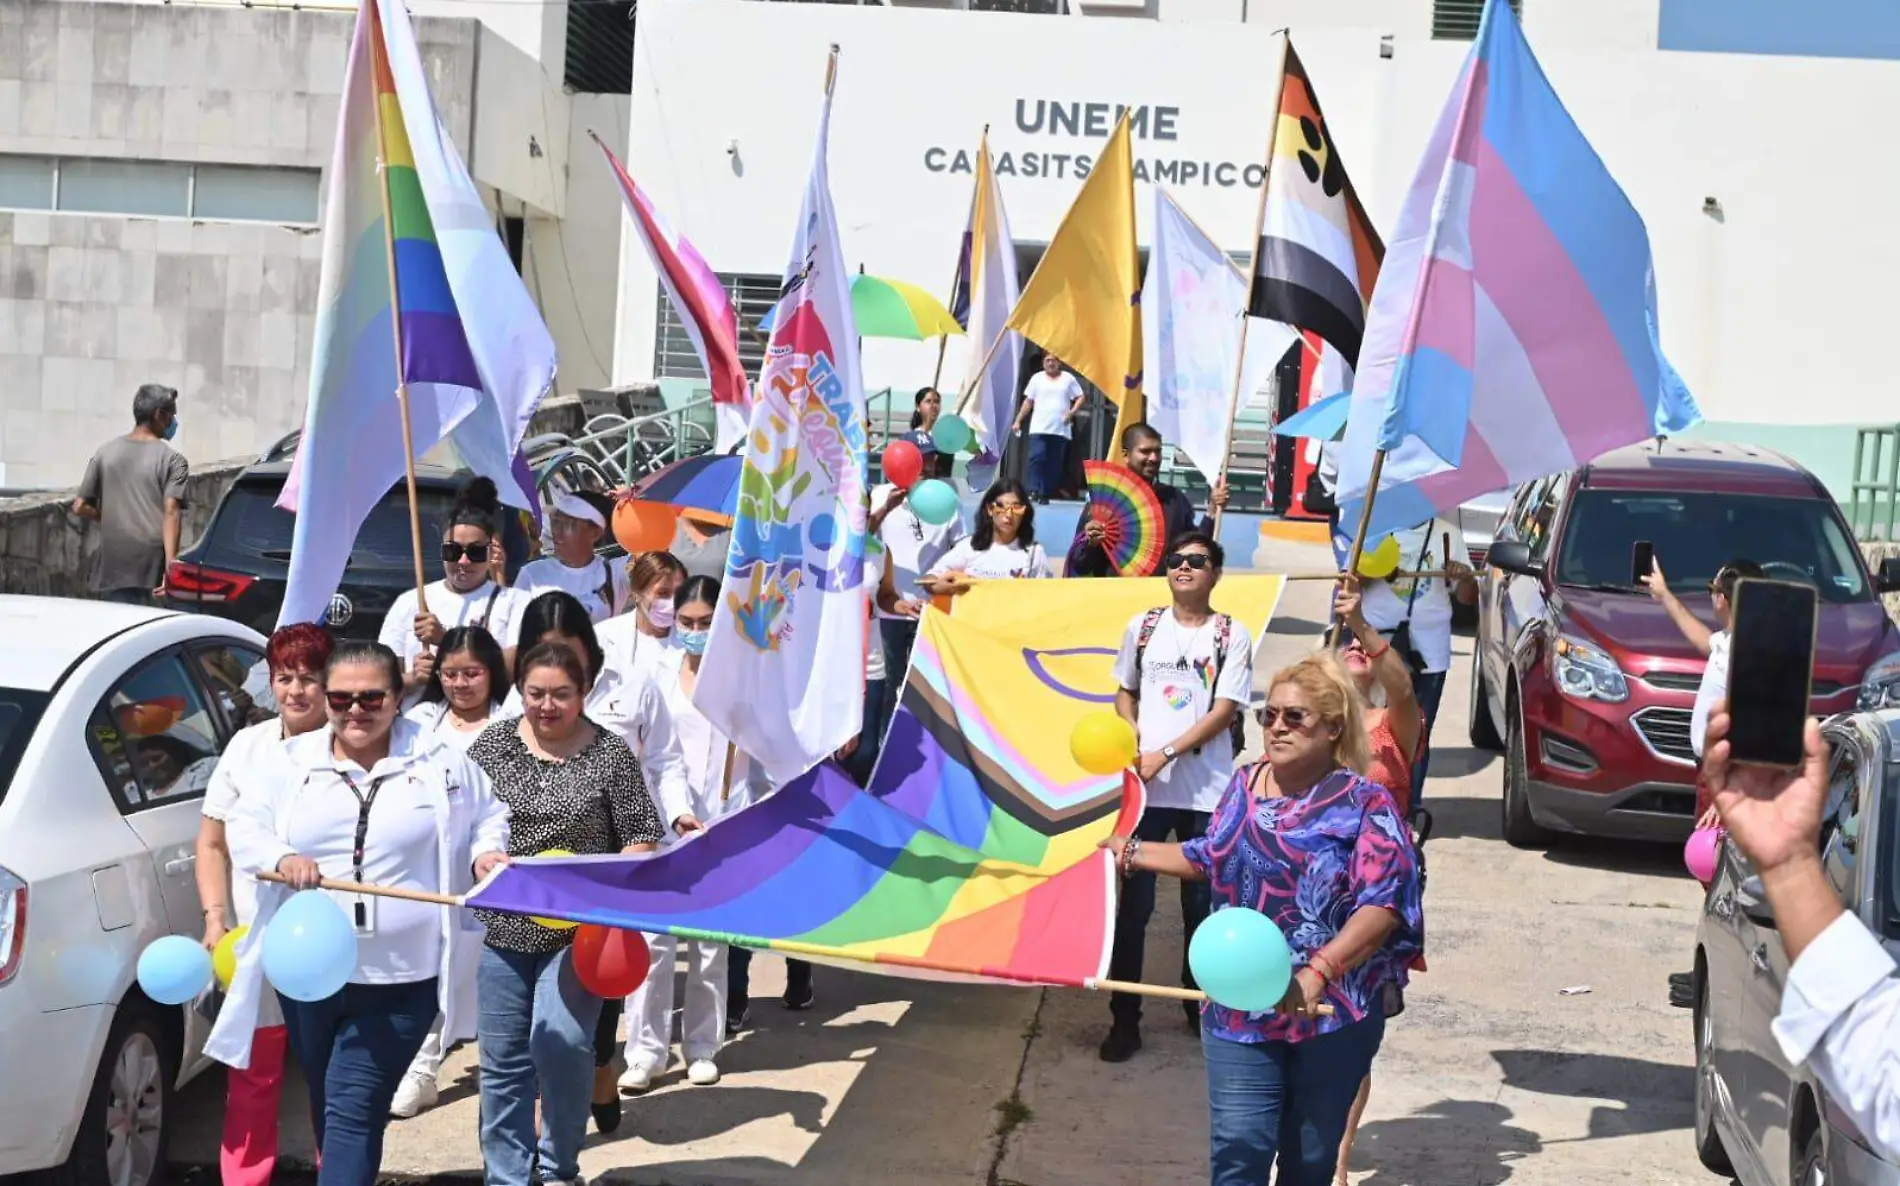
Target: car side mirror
(1752,901)
(1512,555)
(1887,576)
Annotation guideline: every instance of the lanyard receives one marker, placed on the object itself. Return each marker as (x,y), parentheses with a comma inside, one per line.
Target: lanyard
(363,805)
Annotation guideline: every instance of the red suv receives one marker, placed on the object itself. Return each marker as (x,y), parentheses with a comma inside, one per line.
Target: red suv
(1580,676)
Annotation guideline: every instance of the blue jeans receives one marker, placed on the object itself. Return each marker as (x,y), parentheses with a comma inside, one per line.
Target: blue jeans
(1048,454)
(877,718)
(127,596)
(536,1038)
(1430,689)
(1138,906)
(1288,1100)
(900,638)
(354,1047)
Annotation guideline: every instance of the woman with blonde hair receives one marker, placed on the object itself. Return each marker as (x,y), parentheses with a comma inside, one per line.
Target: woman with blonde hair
(1306,839)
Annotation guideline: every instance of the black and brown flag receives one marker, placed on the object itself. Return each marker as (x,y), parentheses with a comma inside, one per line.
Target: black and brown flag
(1318,255)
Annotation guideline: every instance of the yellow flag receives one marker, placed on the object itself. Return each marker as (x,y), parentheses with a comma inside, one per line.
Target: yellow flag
(1084,301)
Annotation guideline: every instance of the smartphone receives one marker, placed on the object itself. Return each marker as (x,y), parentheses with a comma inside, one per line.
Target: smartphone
(1770,671)
(1642,561)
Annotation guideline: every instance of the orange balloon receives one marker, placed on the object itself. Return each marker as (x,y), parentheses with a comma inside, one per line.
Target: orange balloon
(147,718)
(643,526)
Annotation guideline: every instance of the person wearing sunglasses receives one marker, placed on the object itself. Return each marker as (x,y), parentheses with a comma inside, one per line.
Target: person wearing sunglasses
(1142,448)
(1003,544)
(912,548)
(369,798)
(1307,840)
(1183,676)
(469,593)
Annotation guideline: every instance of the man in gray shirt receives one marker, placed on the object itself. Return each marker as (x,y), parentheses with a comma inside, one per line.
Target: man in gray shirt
(135,488)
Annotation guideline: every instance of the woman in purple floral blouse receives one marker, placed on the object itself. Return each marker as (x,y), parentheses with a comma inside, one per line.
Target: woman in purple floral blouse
(1306,840)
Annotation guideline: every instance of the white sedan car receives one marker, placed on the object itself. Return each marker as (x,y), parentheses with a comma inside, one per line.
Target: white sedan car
(111,718)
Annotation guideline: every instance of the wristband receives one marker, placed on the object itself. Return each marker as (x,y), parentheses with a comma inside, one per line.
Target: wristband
(1128,855)
(1321,963)
(1380,653)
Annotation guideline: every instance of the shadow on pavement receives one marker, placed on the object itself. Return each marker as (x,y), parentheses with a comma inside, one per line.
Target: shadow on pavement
(1460,817)
(1456,761)
(1654,858)
(1655,1096)
(1287,624)
(1415,1150)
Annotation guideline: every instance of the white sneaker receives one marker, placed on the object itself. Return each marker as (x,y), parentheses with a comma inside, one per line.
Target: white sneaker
(416,1093)
(702,1072)
(637,1079)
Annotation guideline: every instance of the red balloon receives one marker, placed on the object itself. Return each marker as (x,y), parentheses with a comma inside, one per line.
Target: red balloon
(610,962)
(903,464)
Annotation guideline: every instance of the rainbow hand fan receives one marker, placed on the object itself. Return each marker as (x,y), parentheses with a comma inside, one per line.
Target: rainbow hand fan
(1130,515)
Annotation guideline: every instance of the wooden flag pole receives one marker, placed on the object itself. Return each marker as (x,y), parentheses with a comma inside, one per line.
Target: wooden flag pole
(1365,517)
(1253,272)
(395,327)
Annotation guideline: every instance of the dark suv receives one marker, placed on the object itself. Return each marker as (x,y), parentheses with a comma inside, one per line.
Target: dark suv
(1579,674)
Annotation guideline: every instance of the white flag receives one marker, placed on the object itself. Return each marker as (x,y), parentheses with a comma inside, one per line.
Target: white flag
(986,283)
(783,676)
(1192,303)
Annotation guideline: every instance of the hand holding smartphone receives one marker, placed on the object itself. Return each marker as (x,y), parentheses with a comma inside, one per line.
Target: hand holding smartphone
(1770,671)
(1642,562)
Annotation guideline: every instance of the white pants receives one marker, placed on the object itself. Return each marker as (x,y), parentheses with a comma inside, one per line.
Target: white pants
(650,1008)
(428,1060)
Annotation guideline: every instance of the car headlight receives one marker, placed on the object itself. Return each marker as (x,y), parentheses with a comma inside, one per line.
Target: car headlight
(1880,686)
(1585,671)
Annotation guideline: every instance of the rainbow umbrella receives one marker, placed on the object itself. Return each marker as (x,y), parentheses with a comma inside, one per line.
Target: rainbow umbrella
(1324,419)
(890,309)
(708,483)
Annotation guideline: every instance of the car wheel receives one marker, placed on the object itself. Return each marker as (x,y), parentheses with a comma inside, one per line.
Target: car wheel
(1520,830)
(1708,1142)
(1813,1163)
(1483,728)
(124,1133)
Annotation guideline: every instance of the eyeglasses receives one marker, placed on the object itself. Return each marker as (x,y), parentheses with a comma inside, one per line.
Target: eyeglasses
(367,701)
(474,553)
(1007,508)
(1295,718)
(1194,560)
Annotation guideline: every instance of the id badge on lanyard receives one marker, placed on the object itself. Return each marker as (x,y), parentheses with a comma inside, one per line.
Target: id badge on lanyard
(359,907)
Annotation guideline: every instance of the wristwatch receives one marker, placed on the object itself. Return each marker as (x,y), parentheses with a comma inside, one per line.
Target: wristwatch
(1167,751)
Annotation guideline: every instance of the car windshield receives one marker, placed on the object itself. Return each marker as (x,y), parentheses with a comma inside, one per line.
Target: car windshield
(250,522)
(1694,535)
(19,713)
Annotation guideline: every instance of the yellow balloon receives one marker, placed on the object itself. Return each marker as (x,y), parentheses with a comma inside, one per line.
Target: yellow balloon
(224,956)
(1102,743)
(555,924)
(1378,563)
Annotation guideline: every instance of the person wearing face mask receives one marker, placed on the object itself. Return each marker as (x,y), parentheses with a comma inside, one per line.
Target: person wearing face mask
(467,594)
(297,656)
(578,522)
(636,642)
(134,488)
(718,781)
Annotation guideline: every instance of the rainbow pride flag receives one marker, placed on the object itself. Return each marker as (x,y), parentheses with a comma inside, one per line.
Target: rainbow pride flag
(377,270)
(972,854)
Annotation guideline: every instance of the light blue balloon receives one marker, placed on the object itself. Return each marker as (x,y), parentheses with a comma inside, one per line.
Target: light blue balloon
(1241,960)
(933,501)
(309,947)
(174,970)
(952,434)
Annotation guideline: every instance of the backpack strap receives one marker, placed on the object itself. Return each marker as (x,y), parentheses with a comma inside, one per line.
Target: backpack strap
(1149,621)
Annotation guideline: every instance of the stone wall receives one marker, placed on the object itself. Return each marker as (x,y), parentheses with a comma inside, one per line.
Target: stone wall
(92,305)
(48,550)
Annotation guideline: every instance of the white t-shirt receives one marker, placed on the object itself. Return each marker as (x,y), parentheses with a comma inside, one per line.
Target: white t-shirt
(1714,686)
(1180,678)
(913,546)
(585,583)
(1051,400)
(255,754)
(1387,603)
(452,609)
(997,560)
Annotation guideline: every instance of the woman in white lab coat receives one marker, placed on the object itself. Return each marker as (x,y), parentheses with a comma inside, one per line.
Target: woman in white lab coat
(437,827)
(713,788)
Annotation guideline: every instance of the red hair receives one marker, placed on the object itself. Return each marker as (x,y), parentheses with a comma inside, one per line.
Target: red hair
(303,647)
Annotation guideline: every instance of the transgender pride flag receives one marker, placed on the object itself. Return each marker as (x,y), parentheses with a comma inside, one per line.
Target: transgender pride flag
(1513,330)
(375,271)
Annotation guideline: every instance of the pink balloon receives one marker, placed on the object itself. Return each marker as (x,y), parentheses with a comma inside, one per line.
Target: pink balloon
(903,464)
(1699,854)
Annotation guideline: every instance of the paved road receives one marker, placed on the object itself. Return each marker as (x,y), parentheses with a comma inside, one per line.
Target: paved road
(1490,1076)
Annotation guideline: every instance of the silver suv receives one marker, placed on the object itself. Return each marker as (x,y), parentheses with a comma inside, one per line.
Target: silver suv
(1766,1122)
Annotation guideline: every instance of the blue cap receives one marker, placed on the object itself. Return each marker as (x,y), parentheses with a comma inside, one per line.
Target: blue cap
(921,439)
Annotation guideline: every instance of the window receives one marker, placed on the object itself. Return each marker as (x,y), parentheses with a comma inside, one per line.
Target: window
(250,522)
(1840,824)
(154,737)
(239,193)
(26,182)
(752,298)
(230,671)
(1457,20)
(165,189)
(19,712)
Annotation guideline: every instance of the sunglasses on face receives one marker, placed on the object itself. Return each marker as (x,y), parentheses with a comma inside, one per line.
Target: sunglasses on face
(473,553)
(1295,718)
(1006,508)
(1194,560)
(367,701)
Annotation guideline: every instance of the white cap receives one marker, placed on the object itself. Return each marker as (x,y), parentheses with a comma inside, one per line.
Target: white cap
(575,507)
